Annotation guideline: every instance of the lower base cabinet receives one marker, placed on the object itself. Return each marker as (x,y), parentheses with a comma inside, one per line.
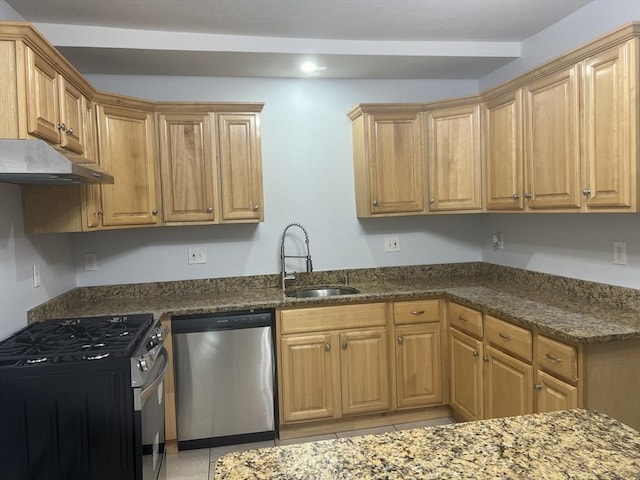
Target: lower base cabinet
(508,384)
(342,370)
(553,394)
(467,379)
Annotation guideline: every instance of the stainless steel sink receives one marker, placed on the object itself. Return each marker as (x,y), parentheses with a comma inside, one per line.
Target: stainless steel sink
(321,292)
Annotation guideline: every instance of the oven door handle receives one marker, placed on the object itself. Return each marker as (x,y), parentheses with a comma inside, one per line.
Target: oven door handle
(146,392)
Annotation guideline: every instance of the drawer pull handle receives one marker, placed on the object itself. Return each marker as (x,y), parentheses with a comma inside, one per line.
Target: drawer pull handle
(505,336)
(553,358)
(417,312)
(327,347)
(461,318)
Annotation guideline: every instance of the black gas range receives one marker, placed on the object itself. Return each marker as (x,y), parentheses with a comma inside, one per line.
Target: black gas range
(82,399)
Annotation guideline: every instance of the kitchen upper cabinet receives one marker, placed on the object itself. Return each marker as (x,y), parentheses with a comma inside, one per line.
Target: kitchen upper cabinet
(126,143)
(454,158)
(240,160)
(552,141)
(610,134)
(188,169)
(55,107)
(388,155)
(503,153)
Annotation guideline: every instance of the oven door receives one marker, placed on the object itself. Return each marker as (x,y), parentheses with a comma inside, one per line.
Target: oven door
(149,420)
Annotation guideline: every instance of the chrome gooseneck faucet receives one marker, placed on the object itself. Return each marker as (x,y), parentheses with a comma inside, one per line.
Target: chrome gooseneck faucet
(283,274)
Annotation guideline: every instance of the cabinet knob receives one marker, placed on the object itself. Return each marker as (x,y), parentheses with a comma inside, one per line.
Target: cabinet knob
(476,353)
(62,127)
(528,196)
(375,203)
(400,340)
(210,209)
(100,212)
(432,201)
(516,196)
(154,212)
(256,207)
(327,347)
(586,192)
(344,345)
(537,386)
(69,131)
(485,358)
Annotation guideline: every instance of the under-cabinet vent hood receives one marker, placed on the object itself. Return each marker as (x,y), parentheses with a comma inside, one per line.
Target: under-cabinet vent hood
(35,162)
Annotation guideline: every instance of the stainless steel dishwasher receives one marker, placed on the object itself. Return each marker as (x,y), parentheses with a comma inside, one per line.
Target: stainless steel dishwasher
(225,376)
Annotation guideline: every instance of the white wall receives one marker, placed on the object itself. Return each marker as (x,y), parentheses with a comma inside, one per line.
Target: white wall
(308,178)
(18,254)
(593,20)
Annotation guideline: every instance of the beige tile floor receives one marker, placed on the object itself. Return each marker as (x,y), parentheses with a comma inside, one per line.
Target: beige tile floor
(199,464)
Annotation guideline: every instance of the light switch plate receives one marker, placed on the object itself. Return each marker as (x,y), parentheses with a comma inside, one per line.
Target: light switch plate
(90,262)
(36,275)
(620,253)
(392,243)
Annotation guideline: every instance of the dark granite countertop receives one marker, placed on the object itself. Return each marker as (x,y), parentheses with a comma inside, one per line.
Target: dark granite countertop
(572,444)
(556,307)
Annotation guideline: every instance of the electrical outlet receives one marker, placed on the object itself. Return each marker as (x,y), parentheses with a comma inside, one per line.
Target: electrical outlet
(392,244)
(497,240)
(90,262)
(197,255)
(36,275)
(620,253)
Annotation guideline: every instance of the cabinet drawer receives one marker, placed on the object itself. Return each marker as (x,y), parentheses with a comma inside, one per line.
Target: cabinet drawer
(333,318)
(421,311)
(465,319)
(509,337)
(557,358)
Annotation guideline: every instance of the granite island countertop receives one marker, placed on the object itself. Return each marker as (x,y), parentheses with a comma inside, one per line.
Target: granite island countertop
(572,444)
(562,311)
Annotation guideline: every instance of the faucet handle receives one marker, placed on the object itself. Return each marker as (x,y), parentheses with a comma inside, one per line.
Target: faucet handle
(345,279)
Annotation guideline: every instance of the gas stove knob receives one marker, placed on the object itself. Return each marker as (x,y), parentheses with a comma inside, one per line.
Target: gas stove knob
(145,362)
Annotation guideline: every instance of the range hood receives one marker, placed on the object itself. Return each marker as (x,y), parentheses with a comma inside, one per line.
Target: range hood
(35,162)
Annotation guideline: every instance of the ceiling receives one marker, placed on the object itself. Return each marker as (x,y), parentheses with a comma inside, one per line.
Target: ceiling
(461,39)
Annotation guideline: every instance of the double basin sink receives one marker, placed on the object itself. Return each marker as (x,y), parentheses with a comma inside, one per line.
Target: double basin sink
(320,292)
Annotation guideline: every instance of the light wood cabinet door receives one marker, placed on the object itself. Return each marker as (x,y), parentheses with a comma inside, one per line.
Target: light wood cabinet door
(43,105)
(467,384)
(394,161)
(508,385)
(610,126)
(240,161)
(553,394)
(187,166)
(503,154)
(552,141)
(454,159)
(364,371)
(308,377)
(72,117)
(418,365)
(126,149)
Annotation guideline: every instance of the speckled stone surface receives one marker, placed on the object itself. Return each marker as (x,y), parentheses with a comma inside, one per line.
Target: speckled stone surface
(574,310)
(573,444)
